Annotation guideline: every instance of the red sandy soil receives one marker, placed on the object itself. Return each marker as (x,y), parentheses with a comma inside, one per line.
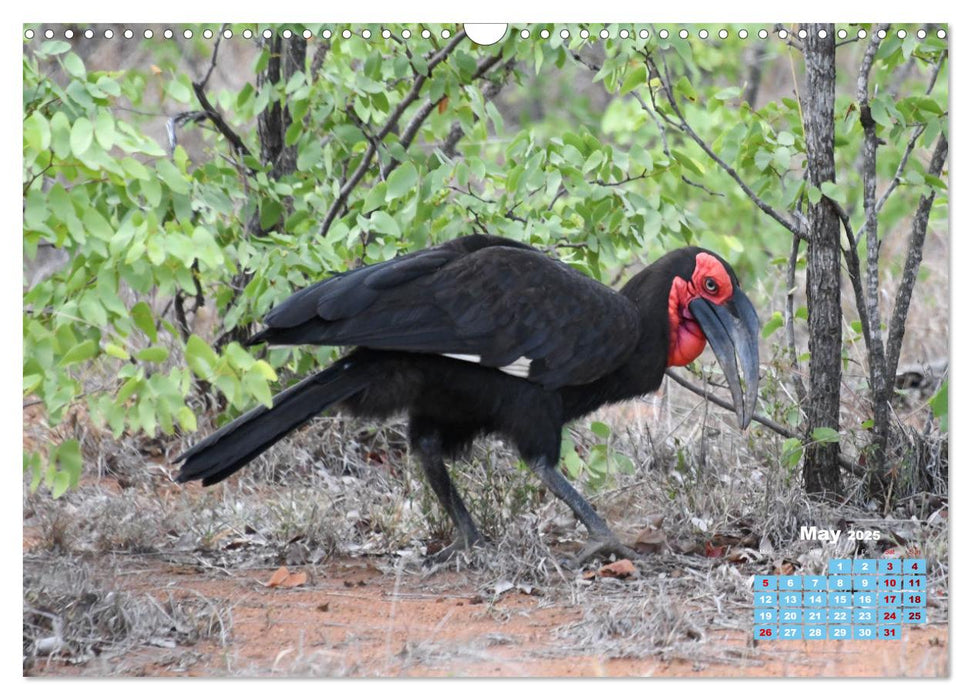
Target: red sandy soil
(351,619)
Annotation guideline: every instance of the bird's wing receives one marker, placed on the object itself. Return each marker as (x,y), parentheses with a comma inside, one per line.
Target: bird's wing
(511,308)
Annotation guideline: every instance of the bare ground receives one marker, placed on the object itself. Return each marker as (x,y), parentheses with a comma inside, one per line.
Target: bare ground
(353,619)
(132,575)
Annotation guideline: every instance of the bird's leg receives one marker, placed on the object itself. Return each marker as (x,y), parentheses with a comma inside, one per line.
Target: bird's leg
(603,541)
(429,447)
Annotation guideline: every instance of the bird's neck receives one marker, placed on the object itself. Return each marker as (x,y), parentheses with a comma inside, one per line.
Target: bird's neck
(643,371)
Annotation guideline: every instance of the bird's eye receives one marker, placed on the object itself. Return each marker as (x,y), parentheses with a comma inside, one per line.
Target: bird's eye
(711,286)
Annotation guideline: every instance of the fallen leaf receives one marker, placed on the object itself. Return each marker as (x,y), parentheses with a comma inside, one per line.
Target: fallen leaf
(282,578)
(278,577)
(784,568)
(618,569)
(713,551)
(323,607)
(652,538)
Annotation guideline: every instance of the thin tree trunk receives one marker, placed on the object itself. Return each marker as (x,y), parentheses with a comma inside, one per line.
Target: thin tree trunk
(821,471)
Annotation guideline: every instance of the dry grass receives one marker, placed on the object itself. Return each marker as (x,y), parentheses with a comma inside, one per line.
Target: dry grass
(727,510)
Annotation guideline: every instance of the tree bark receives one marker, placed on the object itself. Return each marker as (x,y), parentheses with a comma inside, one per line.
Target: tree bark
(821,473)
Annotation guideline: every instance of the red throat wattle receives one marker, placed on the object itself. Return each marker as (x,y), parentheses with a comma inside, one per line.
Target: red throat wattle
(687,338)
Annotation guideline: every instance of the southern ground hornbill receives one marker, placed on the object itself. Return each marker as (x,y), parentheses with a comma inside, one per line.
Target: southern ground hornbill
(485,335)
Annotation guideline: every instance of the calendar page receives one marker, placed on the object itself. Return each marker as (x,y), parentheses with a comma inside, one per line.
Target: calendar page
(356,346)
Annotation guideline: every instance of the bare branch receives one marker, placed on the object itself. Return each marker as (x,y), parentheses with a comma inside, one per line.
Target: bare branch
(918,232)
(686,128)
(789,325)
(408,135)
(412,95)
(763,420)
(217,121)
(918,130)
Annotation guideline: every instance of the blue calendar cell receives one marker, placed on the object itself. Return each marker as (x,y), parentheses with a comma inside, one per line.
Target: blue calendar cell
(864,566)
(888,598)
(913,583)
(814,583)
(790,616)
(814,632)
(790,583)
(841,599)
(817,599)
(864,632)
(814,617)
(889,616)
(765,632)
(763,599)
(912,599)
(865,599)
(890,566)
(915,566)
(840,582)
(840,616)
(791,599)
(888,632)
(841,631)
(766,583)
(764,616)
(864,616)
(866,582)
(790,632)
(914,616)
(889,583)
(840,566)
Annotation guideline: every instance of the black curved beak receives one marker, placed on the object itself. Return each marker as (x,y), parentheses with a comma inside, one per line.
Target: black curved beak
(732,329)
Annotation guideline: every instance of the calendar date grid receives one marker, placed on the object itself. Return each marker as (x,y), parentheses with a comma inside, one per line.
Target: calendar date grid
(863,599)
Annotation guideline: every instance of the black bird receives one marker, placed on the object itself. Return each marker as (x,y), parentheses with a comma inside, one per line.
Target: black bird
(486,335)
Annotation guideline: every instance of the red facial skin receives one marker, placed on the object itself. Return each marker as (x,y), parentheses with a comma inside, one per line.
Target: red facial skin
(687,339)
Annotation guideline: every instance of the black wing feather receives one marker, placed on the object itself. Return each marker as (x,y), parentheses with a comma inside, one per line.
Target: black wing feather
(479,295)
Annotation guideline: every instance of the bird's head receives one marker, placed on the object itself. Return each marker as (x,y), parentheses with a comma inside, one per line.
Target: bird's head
(705,304)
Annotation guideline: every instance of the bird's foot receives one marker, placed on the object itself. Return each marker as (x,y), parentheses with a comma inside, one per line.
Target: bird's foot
(445,555)
(603,547)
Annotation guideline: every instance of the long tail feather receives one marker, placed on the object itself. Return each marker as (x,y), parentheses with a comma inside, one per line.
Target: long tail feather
(234,445)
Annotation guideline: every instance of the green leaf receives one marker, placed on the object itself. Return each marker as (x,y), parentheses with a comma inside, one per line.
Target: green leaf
(256,384)
(82,135)
(635,78)
(96,225)
(187,419)
(833,191)
(401,181)
(201,358)
(84,350)
(67,459)
(74,65)
(104,130)
(117,351)
(601,430)
(37,132)
(141,314)
(772,325)
(826,435)
(31,382)
(382,222)
(172,177)
(152,354)
(939,405)
(791,452)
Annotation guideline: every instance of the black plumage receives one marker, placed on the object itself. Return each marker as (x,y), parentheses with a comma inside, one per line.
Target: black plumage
(479,335)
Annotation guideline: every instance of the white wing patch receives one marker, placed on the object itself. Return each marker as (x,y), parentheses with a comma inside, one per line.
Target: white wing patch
(517,368)
(465,358)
